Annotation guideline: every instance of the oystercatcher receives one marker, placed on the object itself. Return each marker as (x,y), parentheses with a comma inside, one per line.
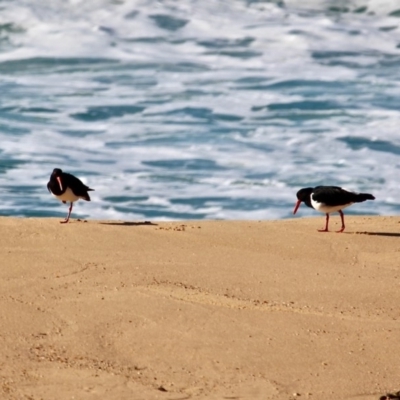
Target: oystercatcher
(67,187)
(328,199)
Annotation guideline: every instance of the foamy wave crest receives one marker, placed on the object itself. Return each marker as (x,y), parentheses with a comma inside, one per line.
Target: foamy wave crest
(187,110)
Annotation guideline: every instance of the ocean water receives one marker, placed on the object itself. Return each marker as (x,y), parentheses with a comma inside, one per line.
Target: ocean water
(217,109)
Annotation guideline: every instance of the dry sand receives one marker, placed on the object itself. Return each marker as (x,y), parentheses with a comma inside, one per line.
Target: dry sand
(201,310)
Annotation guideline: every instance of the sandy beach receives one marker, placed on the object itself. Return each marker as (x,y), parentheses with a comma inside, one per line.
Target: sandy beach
(200,310)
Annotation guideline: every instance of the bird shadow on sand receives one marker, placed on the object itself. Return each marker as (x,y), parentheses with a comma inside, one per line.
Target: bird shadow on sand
(388,234)
(128,223)
(394,396)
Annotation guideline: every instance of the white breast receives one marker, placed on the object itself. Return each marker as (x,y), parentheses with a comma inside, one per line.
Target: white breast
(327,209)
(68,195)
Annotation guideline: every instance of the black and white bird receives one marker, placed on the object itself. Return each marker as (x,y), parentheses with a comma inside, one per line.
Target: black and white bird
(67,187)
(328,199)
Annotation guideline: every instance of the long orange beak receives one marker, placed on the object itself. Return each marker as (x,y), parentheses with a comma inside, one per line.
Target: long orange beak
(59,182)
(296,207)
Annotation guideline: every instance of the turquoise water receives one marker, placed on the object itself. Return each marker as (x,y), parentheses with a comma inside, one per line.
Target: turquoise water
(193,110)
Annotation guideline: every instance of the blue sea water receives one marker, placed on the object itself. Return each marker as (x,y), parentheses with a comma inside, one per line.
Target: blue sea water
(217,109)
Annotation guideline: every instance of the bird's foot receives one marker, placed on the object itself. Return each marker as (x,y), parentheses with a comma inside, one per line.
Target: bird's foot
(65,221)
(323,230)
(340,231)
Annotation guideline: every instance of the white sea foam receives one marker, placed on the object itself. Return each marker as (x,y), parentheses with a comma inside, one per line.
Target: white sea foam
(238,104)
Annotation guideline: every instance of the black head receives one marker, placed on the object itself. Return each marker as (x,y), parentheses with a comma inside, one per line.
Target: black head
(56,176)
(303,195)
(56,172)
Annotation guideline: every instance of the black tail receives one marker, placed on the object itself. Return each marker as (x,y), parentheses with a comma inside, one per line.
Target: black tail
(86,195)
(360,197)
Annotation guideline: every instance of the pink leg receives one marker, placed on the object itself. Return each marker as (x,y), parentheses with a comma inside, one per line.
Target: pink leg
(326,225)
(342,218)
(69,213)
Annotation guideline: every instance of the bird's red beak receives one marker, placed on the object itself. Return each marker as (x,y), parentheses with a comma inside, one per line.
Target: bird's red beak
(59,182)
(296,207)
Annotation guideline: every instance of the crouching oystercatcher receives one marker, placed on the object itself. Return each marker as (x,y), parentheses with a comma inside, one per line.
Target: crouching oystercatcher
(67,187)
(328,199)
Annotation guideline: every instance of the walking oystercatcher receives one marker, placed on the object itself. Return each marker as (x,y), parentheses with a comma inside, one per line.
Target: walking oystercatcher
(67,187)
(328,199)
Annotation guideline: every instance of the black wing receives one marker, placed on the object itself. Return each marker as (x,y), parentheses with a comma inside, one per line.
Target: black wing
(333,195)
(75,184)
